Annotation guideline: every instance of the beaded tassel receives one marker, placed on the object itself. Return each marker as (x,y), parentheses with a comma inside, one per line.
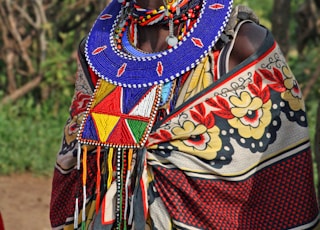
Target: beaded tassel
(130,218)
(76,209)
(130,153)
(110,167)
(76,214)
(84,182)
(104,170)
(119,188)
(98,178)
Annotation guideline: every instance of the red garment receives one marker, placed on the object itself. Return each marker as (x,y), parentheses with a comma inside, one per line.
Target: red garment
(1,223)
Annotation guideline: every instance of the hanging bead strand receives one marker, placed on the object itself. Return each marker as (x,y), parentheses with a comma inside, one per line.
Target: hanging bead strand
(171,39)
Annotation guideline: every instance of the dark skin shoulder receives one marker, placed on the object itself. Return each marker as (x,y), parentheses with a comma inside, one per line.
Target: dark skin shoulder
(250,38)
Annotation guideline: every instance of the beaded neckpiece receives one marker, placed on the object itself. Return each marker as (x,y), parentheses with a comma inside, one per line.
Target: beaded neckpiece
(129,67)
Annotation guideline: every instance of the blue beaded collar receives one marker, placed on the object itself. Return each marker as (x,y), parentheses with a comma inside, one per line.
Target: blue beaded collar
(135,69)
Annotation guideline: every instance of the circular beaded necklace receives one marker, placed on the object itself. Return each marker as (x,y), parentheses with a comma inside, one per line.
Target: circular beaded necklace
(111,51)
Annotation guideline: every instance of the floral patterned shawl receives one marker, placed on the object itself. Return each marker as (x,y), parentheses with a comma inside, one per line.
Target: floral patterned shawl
(237,156)
(233,154)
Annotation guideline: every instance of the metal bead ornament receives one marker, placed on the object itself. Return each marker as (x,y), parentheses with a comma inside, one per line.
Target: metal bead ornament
(171,39)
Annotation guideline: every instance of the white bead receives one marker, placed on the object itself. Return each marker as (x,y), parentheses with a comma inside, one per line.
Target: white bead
(178,10)
(172,40)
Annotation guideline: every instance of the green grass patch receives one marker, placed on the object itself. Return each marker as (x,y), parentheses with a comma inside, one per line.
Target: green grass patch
(30,136)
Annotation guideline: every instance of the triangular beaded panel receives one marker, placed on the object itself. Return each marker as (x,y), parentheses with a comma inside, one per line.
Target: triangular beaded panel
(118,116)
(137,128)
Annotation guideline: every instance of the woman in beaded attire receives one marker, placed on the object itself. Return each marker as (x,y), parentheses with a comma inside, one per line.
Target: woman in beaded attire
(185,116)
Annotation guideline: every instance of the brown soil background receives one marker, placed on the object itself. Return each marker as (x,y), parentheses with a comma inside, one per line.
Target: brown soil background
(24,201)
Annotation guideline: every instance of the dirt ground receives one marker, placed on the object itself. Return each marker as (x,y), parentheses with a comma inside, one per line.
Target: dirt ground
(24,201)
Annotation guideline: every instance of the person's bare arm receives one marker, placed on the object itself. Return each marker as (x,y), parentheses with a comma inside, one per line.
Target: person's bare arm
(250,38)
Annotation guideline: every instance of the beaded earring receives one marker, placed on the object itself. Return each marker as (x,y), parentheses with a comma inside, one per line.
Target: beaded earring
(171,39)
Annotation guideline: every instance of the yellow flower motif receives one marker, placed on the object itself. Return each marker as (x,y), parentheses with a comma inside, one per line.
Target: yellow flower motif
(72,128)
(293,93)
(197,140)
(251,115)
(201,79)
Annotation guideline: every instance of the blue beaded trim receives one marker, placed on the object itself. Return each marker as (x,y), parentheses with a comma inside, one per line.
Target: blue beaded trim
(131,50)
(136,69)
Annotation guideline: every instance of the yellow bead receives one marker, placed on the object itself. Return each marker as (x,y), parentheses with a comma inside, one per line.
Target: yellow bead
(148,16)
